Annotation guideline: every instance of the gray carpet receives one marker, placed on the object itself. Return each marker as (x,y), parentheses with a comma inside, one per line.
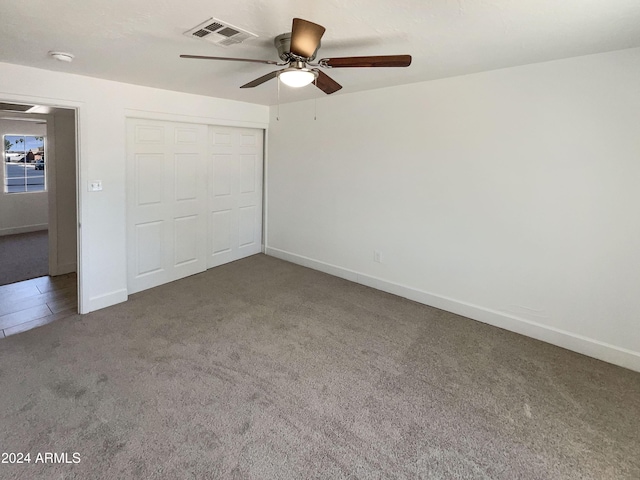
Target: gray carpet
(24,256)
(262,369)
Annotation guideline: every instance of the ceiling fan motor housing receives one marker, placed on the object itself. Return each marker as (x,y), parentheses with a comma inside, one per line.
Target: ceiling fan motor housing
(283,45)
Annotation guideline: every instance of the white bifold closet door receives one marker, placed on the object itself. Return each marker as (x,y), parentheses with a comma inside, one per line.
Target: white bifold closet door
(194,199)
(235,194)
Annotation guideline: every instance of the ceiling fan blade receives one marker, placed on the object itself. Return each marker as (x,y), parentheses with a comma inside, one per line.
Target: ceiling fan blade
(201,57)
(327,84)
(376,61)
(305,37)
(261,80)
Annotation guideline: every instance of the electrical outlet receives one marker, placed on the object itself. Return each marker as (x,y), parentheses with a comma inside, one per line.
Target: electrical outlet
(377,256)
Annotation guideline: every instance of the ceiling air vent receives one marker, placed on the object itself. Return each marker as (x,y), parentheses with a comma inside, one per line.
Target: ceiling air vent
(219,32)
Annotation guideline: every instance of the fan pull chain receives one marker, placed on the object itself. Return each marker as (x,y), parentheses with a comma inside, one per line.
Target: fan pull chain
(278,111)
(315,101)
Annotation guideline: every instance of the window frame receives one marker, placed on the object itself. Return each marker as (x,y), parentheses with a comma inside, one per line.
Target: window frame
(5,172)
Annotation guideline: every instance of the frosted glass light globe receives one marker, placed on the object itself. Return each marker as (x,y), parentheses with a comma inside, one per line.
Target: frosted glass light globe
(297,77)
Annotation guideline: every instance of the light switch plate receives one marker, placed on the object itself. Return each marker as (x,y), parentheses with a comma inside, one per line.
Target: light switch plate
(95,186)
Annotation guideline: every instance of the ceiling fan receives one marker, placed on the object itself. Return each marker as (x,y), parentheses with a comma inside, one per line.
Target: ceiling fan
(298,50)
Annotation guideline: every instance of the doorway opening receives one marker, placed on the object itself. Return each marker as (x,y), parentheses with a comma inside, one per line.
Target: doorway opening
(38,216)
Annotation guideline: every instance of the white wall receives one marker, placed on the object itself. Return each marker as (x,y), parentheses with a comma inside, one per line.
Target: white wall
(21,212)
(510,196)
(102,109)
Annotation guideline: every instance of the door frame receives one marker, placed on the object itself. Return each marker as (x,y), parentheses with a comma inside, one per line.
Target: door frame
(77,107)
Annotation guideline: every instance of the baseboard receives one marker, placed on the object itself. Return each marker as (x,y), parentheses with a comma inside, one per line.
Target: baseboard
(108,299)
(23,229)
(561,338)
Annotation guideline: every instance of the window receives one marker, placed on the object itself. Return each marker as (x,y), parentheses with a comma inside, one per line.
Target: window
(24,165)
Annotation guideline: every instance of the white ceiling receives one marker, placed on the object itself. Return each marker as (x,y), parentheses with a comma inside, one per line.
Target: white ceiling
(138,41)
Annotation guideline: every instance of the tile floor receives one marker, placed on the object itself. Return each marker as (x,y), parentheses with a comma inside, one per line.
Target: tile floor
(33,303)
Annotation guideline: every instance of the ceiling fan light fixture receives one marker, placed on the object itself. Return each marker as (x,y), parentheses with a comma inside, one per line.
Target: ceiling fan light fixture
(298,49)
(297,77)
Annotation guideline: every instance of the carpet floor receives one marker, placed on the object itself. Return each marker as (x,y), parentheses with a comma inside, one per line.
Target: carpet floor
(24,256)
(262,369)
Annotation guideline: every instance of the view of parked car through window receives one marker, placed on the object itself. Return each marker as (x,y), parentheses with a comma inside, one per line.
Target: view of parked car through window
(24,165)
